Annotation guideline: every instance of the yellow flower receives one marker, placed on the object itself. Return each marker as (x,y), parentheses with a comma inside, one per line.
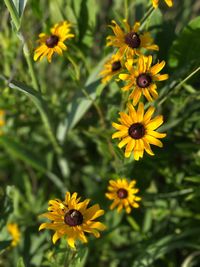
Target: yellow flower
(156,2)
(2,120)
(123,193)
(137,131)
(53,42)
(111,68)
(131,41)
(72,218)
(143,78)
(14,232)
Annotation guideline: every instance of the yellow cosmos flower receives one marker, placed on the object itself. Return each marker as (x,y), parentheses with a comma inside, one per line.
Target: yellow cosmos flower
(2,120)
(156,2)
(131,41)
(111,68)
(14,231)
(53,42)
(143,78)
(123,193)
(71,218)
(137,131)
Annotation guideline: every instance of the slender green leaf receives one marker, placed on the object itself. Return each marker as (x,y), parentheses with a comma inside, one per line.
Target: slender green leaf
(20,6)
(42,107)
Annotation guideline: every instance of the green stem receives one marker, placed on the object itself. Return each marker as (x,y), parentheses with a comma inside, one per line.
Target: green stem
(178,86)
(76,68)
(187,78)
(16,20)
(29,61)
(146,16)
(13,13)
(126,9)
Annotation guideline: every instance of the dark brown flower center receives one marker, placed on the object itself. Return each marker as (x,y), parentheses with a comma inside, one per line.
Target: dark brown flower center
(122,193)
(144,80)
(73,218)
(136,130)
(116,65)
(52,41)
(132,39)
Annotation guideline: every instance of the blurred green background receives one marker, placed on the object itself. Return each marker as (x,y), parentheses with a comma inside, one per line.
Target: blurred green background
(59,138)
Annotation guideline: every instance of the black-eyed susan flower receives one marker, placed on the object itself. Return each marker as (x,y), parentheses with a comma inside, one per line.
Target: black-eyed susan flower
(111,68)
(123,193)
(72,218)
(143,78)
(53,43)
(156,2)
(137,131)
(14,231)
(131,41)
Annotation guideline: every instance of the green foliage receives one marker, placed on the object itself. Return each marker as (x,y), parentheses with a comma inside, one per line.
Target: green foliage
(57,136)
(186,44)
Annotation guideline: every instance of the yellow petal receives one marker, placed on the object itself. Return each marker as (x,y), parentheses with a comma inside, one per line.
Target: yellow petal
(129,65)
(125,119)
(152,89)
(140,112)
(129,148)
(147,147)
(136,26)
(49,56)
(148,62)
(156,134)
(56,236)
(169,3)
(58,50)
(128,28)
(124,77)
(147,94)
(141,65)
(120,134)
(124,141)
(152,140)
(135,95)
(155,123)
(162,77)
(71,242)
(157,68)
(155,3)
(119,126)
(132,112)
(148,114)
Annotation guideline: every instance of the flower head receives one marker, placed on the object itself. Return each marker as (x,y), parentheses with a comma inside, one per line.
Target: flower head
(14,231)
(137,131)
(143,78)
(123,194)
(53,42)
(72,218)
(156,2)
(111,68)
(131,41)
